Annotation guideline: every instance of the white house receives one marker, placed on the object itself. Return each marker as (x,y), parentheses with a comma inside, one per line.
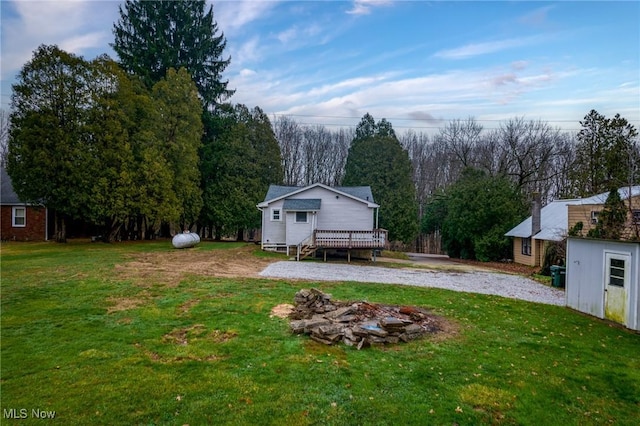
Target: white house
(603,279)
(320,217)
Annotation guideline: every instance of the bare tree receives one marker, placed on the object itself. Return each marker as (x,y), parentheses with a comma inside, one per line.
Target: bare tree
(530,148)
(4,136)
(461,137)
(289,135)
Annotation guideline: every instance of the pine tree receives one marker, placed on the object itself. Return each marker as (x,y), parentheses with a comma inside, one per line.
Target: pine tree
(605,155)
(153,36)
(377,159)
(611,219)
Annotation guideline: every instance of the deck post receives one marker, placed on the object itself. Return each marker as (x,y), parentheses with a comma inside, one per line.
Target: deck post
(348,255)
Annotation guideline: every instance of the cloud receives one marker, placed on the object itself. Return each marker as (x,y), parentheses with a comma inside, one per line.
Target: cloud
(501,80)
(536,18)
(477,49)
(363,7)
(232,16)
(423,116)
(69,24)
(519,65)
(248,52)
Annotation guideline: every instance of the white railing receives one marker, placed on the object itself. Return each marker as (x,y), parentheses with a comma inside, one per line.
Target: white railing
(375,238)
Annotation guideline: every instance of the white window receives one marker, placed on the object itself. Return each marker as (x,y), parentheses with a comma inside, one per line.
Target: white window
(19,217)
(276,215)
(526,246)
(594,217)
(301,217)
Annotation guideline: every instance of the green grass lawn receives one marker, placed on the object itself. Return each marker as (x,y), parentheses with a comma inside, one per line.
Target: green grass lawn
(81,339)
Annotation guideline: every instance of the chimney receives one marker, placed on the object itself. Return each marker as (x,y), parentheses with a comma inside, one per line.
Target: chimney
(536,217)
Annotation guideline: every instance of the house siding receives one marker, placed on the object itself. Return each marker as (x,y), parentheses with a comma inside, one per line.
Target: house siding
(35,228)
(518,257)
(274,232)
(298,232)
(582,213)
(337,213)
(537,252)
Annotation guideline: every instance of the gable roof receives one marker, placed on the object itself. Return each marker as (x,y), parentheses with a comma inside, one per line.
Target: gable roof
(359,193)
(302,205)
(7,194)
(554,217)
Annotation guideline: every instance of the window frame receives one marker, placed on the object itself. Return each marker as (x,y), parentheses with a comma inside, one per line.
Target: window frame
(15,216)
(594,216)
(617,271)
(635,216)
(306,217)
(525,248)
(276,214)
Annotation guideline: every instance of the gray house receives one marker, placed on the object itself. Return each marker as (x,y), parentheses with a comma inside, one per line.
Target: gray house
(305,219)
(603,279)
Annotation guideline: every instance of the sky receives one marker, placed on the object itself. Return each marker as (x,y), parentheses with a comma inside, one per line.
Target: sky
(419,64)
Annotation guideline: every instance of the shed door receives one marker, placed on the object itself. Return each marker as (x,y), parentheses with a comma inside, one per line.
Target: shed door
(616,286)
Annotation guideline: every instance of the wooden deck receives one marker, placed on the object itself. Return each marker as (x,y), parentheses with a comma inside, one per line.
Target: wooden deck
(373,239)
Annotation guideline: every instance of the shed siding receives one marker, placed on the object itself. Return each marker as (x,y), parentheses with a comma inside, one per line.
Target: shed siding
(585,285)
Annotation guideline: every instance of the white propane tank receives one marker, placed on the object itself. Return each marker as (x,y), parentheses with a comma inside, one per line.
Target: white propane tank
(185,240)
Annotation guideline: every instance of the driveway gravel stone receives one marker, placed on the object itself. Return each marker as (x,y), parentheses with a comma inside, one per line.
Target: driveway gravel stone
(505,285)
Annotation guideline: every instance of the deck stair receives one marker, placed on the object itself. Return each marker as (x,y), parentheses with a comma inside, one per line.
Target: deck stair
(349,240)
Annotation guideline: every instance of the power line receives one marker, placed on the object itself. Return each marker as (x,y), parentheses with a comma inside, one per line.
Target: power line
(409,119)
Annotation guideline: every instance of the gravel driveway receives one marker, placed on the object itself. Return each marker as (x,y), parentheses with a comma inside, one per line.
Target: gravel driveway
(512,286)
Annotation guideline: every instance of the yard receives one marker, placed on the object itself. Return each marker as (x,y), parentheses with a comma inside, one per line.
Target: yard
(140,333)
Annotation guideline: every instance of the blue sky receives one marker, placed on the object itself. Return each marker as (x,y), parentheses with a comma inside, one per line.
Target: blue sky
(417,63)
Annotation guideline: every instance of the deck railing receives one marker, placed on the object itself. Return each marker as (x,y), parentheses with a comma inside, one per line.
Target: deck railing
(375,238)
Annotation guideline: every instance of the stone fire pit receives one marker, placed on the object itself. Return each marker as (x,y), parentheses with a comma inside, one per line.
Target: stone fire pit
(358,324)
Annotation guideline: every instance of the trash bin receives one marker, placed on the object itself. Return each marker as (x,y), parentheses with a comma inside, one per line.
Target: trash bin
(558,274)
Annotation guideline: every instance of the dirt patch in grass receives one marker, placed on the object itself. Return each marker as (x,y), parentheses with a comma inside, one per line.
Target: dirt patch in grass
(126,303)
(282,311)
(170,267)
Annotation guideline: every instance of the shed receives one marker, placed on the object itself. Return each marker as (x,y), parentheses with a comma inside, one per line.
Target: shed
(603,279)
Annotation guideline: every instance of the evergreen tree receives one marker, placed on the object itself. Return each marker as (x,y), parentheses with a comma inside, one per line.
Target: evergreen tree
(377,159)
(611,219)
(474,214)
(606,155)
(240,159)
(153,36)
(49,160)
(179,133)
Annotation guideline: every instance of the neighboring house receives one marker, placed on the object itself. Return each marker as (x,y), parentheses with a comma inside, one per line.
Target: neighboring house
(603,279)
(19,221)
(305,219)
(588,210)
(553,222)
(545,225)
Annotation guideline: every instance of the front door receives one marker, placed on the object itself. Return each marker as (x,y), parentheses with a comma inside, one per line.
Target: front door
(616,286)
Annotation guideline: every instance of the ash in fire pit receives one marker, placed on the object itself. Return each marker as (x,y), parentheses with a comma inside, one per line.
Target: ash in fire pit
(358,324)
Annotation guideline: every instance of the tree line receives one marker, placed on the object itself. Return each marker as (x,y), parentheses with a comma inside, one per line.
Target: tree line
(133,144)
